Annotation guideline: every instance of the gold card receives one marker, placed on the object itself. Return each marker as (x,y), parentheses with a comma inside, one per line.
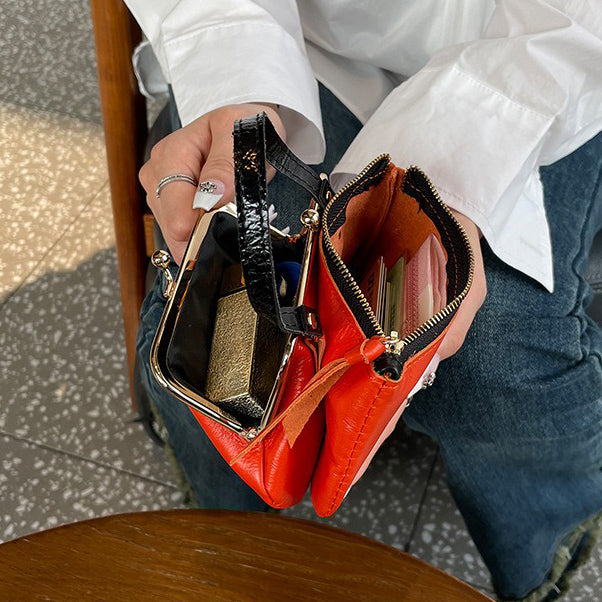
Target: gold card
(245,357)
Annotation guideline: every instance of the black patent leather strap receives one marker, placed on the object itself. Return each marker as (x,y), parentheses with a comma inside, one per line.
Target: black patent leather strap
(255,142)
(286,162)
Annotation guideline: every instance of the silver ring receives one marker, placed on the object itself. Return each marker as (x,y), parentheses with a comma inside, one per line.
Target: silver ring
(176,177)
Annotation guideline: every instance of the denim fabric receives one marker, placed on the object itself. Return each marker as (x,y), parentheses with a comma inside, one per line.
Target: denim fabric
(517,412)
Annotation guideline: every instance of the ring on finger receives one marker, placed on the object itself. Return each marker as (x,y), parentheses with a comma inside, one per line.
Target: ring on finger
(176,177)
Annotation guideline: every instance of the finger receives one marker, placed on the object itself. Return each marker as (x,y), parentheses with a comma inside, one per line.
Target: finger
(216,181)
(175,213)
(176,248)
(457,332)
(179,153)
(467,311)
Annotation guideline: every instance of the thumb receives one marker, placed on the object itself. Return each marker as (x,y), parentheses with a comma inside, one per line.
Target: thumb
(216,181)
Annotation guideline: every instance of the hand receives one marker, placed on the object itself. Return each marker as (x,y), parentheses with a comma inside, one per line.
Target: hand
(203,149)
(472,302)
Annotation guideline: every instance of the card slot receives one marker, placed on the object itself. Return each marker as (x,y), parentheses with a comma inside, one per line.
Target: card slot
(415,288)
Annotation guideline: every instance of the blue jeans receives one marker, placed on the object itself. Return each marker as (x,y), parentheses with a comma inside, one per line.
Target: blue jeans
(517,412)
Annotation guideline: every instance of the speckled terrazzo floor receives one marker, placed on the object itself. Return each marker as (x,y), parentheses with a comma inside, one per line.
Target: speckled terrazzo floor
(68,447)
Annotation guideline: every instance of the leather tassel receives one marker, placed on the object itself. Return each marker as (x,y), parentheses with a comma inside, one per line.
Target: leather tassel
(295,417)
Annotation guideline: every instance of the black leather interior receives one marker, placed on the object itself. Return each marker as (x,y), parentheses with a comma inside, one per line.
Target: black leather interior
(188,351)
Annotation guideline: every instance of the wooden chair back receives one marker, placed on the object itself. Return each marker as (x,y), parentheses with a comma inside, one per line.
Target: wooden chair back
(124,119)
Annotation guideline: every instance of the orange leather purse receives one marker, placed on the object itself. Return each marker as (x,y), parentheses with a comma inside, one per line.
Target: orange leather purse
(342,382)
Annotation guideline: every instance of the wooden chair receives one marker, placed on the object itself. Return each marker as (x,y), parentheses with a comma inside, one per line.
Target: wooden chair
(124,118)
(216,555)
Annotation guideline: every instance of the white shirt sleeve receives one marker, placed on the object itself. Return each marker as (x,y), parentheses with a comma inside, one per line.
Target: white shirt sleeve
(221,52)
(482,116)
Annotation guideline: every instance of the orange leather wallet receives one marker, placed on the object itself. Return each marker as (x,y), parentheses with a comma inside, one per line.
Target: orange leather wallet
(341,383)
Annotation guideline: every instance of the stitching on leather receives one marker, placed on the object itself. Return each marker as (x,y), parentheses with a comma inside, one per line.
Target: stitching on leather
(359,434)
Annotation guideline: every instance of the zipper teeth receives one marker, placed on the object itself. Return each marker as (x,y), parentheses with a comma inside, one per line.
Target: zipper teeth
(453,306)
(439,316)
(345,270)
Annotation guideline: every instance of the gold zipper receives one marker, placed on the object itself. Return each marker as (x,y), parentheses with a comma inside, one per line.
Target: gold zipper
(344,269)
(393,343)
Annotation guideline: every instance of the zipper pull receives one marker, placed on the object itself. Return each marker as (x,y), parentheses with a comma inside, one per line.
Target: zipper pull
(393,343)
(389,364)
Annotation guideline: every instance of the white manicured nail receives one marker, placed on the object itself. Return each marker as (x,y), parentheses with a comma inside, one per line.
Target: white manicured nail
(208,194)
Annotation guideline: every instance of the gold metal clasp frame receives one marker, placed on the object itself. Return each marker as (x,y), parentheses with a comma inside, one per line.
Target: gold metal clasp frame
(175,293)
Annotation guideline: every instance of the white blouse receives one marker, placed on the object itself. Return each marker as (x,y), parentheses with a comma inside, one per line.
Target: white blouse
(477,93)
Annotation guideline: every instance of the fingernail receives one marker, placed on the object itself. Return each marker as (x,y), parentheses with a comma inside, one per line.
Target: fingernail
(208,194)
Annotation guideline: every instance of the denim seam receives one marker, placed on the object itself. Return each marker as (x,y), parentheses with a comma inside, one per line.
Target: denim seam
(550,561)
(583,284)
(588,214)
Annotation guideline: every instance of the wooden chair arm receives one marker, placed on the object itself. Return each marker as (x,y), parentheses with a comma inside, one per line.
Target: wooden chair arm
(124,119)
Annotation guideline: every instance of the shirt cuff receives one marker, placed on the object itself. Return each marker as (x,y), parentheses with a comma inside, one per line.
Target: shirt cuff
(243,62)
(480,149)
